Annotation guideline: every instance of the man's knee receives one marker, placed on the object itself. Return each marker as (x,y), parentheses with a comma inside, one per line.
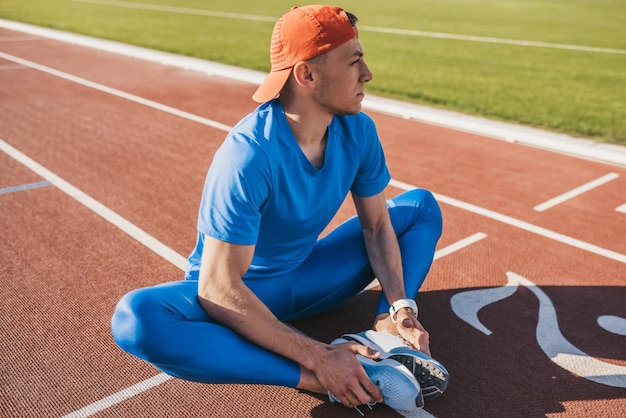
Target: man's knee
(427,206)
(425,197)
(130,326)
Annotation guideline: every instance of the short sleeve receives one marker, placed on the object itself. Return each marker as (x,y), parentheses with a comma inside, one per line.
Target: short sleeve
(236,187)
(373,175)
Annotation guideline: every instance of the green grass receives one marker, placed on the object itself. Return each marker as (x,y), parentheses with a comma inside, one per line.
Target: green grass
(575,92)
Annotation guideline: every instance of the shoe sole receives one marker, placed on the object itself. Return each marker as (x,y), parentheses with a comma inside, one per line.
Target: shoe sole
(430,374)
(431,378)
(373,367)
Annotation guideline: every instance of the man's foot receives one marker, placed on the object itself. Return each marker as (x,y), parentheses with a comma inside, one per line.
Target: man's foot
(400,390)
(431,374)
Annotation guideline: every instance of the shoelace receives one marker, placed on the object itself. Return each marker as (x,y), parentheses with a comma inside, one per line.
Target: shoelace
(333,398)
(369,405)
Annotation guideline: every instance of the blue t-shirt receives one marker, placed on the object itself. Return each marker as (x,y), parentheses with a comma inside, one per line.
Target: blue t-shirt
(261,189)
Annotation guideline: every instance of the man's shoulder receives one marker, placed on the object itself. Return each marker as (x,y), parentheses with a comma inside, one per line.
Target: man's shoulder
(261,124)
(255,139)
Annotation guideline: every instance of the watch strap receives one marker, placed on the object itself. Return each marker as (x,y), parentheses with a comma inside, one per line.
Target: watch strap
(400,304)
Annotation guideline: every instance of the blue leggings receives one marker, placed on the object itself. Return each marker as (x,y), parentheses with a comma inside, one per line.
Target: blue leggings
(166,326)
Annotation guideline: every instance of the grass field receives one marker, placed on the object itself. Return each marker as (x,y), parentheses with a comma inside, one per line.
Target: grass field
(574,90)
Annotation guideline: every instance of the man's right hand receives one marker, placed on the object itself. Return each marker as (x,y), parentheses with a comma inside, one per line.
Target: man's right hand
(340,372)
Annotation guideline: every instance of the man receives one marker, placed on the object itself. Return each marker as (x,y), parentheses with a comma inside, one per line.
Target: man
(274,185)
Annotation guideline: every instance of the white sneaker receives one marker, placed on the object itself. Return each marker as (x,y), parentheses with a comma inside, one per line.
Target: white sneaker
(431,374)
(399,388)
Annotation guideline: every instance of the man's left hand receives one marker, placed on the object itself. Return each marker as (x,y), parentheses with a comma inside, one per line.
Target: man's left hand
(407,326)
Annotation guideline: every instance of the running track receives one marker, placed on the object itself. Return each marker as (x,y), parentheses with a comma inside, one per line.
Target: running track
(103,161)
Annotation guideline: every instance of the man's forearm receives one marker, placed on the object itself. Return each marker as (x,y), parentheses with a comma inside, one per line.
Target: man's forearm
(241,310)
(384,255)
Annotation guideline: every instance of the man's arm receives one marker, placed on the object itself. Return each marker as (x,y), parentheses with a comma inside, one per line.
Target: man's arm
(224,296)
(385,258)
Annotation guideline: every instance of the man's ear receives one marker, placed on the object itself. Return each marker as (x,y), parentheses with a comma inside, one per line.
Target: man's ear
(303,74)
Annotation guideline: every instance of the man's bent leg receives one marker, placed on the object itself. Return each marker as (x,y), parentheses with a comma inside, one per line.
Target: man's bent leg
(338,267)
(416,218)
(166,326)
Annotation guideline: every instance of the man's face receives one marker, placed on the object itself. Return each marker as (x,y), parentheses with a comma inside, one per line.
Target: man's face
(341,77)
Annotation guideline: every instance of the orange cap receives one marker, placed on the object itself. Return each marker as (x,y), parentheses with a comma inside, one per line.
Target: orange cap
(301,34)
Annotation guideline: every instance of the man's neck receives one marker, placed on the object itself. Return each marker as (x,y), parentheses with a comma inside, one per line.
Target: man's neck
(307,122)
(310,129)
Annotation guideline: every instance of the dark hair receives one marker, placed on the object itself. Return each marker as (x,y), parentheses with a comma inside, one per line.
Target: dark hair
(352,18)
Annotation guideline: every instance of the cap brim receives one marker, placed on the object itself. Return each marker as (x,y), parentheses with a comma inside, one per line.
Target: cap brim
(271,86)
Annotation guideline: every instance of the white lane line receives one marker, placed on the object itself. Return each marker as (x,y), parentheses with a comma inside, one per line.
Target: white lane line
(465,242)
(394,31)
(115,92)
(576,192)
(181,10)
(459,245)
(122,223)
(546,233)
(621,208)
(492,40)
(120,396)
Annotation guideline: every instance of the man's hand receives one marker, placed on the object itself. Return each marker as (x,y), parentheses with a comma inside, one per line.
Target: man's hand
(340,372)
(407,326)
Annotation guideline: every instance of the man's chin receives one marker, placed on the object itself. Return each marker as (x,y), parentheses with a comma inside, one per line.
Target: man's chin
(347,112)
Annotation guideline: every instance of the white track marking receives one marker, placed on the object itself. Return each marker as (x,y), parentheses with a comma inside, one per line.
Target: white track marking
(120,396)
(489,39)
(181,10)
(553,343)
(621,208)
(613,324)
(394,31)
(459,245)
(576,192)
(465,242)
(122,223)
(555,236)
(115,92)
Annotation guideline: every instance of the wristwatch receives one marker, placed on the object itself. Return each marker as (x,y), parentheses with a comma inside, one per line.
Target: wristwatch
(402,303)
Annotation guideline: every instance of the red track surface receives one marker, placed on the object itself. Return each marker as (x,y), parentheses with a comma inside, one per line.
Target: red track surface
(64,267)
